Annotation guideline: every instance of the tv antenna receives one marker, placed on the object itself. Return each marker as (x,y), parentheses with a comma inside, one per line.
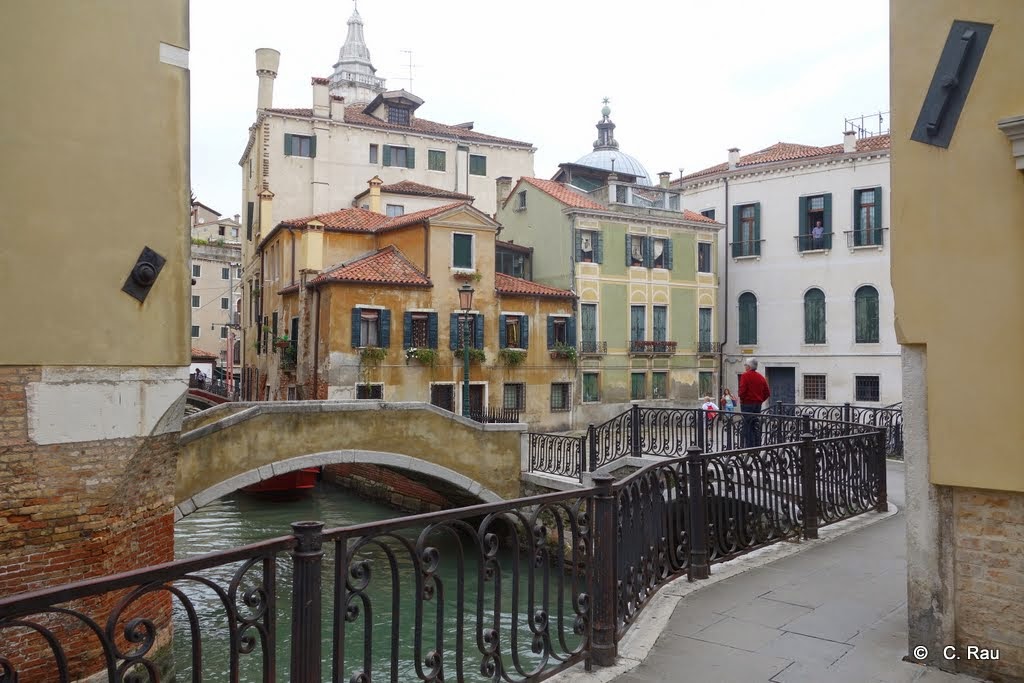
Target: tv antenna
(410,66)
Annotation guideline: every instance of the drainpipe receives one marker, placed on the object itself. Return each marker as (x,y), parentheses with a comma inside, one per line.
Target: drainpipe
(316,345)
(725,296)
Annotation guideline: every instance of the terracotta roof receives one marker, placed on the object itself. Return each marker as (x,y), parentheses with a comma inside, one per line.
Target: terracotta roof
(700,218)
(387,266)
(512,246)
(417,216)
(788,151)
(199,354)
(506,284)
(294,111)
(319,80)
(356,220)
(419,190)
(563,193)
(290,289)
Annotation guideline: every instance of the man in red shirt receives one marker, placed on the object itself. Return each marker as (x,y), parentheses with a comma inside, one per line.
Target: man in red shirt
(754,392)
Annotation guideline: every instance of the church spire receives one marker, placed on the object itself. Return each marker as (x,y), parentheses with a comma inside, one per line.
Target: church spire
(354,77)
(605,129)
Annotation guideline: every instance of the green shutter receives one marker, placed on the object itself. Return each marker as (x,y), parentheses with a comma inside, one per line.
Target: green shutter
(387,155)
(407,330)
(462,252)
(551,332)
(737,248)
(385,329)
(479,319)
(410,157)
(648,259)
(629,259)
(598,247)
(827,223)
(355,328)
(668,254)
(453,331)
(814,317)
(805,227)
(570,331)
(312,147)
(579,245)
(757,229)
(432,330)
(502,332)
(287,144)
(878,217)
(524,332)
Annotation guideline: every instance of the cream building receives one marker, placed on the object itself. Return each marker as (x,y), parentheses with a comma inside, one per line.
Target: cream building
(814,306)
(216,295)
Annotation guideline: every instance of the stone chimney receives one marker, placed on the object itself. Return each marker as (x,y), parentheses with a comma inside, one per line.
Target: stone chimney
(267,61)
(337,107)
(734,157)
(663,178)
(321,98)
(503,187)
(613,185)
(850,141)
(266,214)
(375,185)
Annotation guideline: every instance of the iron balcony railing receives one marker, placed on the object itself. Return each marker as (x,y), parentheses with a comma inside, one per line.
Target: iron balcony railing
(593,347)
(516,591)
(874,237)
(889,417)
(746,248)
(213,386)
(495,415)
(809,242)
(709,347)
(652,347)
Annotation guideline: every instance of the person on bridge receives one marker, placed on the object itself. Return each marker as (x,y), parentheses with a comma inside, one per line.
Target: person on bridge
(754,392)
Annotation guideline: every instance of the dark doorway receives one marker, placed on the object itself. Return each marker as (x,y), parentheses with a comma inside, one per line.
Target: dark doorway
(443,396)
(476,399)
(782,382)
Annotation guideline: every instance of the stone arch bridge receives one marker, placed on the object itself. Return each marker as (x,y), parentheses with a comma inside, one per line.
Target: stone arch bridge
(238,444)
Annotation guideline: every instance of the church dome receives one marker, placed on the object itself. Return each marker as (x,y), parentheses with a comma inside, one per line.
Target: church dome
(606,154)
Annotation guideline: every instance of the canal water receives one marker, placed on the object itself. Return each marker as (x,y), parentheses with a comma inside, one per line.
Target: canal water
(240,519)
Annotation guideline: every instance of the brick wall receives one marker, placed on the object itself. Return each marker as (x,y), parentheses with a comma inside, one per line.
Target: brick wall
(76,511)
(387,486)
(989,568)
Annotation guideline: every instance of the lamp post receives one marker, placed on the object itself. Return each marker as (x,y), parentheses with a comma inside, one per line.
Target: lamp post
(466,303)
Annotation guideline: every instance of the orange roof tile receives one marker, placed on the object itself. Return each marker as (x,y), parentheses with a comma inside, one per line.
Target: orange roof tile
(700,218)
(319,80)
(203,355)
(417,216)
(387,266)
(356,220)
(563,193)
(788,151)
(421,190)
(506,284)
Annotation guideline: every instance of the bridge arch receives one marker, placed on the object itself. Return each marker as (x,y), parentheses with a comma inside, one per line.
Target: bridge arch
(420,469)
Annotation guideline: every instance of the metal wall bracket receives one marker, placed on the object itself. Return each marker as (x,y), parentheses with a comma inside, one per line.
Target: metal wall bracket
(143,274)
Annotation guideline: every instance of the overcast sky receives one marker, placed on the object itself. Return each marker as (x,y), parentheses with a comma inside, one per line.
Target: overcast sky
(687,78)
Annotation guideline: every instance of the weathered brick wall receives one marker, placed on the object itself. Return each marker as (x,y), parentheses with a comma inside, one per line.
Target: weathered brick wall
(76,511)
(989,562)
(386,486)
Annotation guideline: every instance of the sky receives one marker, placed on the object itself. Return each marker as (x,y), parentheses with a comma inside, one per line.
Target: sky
(686,79)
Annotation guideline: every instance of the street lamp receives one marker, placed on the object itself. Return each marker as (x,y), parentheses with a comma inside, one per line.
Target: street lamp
(466,303)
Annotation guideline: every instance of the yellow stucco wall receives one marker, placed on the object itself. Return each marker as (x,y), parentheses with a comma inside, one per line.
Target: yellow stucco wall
(95,141)
(958,243)
(409,241)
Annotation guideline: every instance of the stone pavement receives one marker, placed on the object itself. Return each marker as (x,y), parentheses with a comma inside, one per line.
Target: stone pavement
(835,613)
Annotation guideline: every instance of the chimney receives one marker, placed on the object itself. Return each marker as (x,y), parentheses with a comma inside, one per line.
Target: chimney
(503,187)
(375,184)
(267,61)
(238,216)
(321,98)
(613,185)
(337,107)
(313,246)
(734,157)
(663,178)
(850,141)
(266,213)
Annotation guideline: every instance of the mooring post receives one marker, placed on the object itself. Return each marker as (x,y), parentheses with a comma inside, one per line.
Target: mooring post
(307,558)
(603,646)
(808,485)
(699,567)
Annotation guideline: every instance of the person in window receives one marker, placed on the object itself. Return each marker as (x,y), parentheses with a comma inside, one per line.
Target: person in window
(754,392)
(636,252)
(818,235)
(587,248)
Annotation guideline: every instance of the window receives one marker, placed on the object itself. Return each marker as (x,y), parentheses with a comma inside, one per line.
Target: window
(420,330)
(867,388)
(514,332)
(195,331)
(457,329)
(866,313)
(708,213)
(443,396)
(195,301)
(637,323)
(814,317)
(660,255)
(220,230)
(225,303)
(588,325)
(238,273)
(591,387)
(703,257)
(635,251)
(746,230)
(867,224)
(249,208)
(374,392)
(514,397)
(521,200)
(462,251)
(638,386)
(393,210)
(371,327)
(477,164)
(250,167)
(404,157)
(659,321)
(704,330)
(299,145)
(589,246)
(398,116)
(234,233)
(815,222)
(373,154)
(559,397)
(436,160)
(706,383)
(510,263)
(814,387)
(748,318)
(561,331)
(224,332)
(659,385)
(197,270)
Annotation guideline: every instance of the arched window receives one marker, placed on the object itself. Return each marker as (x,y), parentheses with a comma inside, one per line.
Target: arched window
(866,310)
(748,318)
(814,317)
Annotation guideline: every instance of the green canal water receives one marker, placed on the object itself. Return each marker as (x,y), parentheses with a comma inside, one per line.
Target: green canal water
(240,519)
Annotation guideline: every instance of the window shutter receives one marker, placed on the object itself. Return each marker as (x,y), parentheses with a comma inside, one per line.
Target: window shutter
(737,248)
(432,330)
(453,329)
(579,245)
(410,157)
(502,332)
(570,331)
(312,147)
(648,243)
(878,217)
(479,331)
(628,259)
(387,155)
(407,330)
(598,248)
(524,332)
(827,223)
(287,144)
(668,254)
(805,228)
(757,228)
(355,328)
(551,332)
(385,329)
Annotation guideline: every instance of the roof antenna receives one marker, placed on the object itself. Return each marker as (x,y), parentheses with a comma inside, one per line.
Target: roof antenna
(411,65)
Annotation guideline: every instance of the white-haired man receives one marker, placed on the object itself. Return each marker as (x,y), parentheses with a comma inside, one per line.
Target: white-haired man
(754,392)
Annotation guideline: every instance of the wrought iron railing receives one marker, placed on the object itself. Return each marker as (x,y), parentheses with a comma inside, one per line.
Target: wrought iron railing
(495,415)
(213,386)
(557,454)
(808,242)
(872,237)
(640,346)
(709,347)
(593,347)
(746,248)
(889,417)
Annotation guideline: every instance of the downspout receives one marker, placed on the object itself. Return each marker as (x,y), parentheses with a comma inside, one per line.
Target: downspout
(725,296)
(316,346)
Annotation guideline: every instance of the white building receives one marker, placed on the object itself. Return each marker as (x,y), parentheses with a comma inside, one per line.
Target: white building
(216,282)
(815,307)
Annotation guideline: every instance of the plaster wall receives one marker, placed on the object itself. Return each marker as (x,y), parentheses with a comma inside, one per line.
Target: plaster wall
(544,227)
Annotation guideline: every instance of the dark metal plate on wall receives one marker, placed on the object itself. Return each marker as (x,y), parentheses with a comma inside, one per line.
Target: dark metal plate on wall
(143,274)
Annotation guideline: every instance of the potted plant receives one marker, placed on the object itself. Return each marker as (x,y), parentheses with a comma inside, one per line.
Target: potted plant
(282,342)
(564,351)
(289,358)
(467,275)
(511,358)
(426,357)
(372,355)
(475,355)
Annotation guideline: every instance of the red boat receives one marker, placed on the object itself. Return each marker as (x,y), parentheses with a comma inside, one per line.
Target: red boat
(292,484)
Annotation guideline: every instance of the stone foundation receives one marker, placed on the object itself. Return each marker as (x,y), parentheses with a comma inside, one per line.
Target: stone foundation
(386,486)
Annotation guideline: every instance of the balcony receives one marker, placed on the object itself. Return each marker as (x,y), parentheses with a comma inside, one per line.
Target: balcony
(872,237)
(593,348)
(746,249)
(652,348)
(709,348)
(811,243)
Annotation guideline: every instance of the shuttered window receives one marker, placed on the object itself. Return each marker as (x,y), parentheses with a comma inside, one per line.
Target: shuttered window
(748,318)
(746,230)
(419,330)
(299,145)
(436,160)
(637,323)
(866,312)
(867,228)
(514,332)
(371,327)
(638,386)
(814,317)
(589,246)
(477,164)
(404,157)
(457,330)
(462,251)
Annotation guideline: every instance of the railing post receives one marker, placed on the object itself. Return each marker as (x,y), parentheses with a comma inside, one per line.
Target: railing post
(603,646)
(306,602)
(883,485)
(778,407)
(805,424)
(634,431)
(700,422)
(808,485)
(592,438)
(846,417)
(699,567)
(583,456)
